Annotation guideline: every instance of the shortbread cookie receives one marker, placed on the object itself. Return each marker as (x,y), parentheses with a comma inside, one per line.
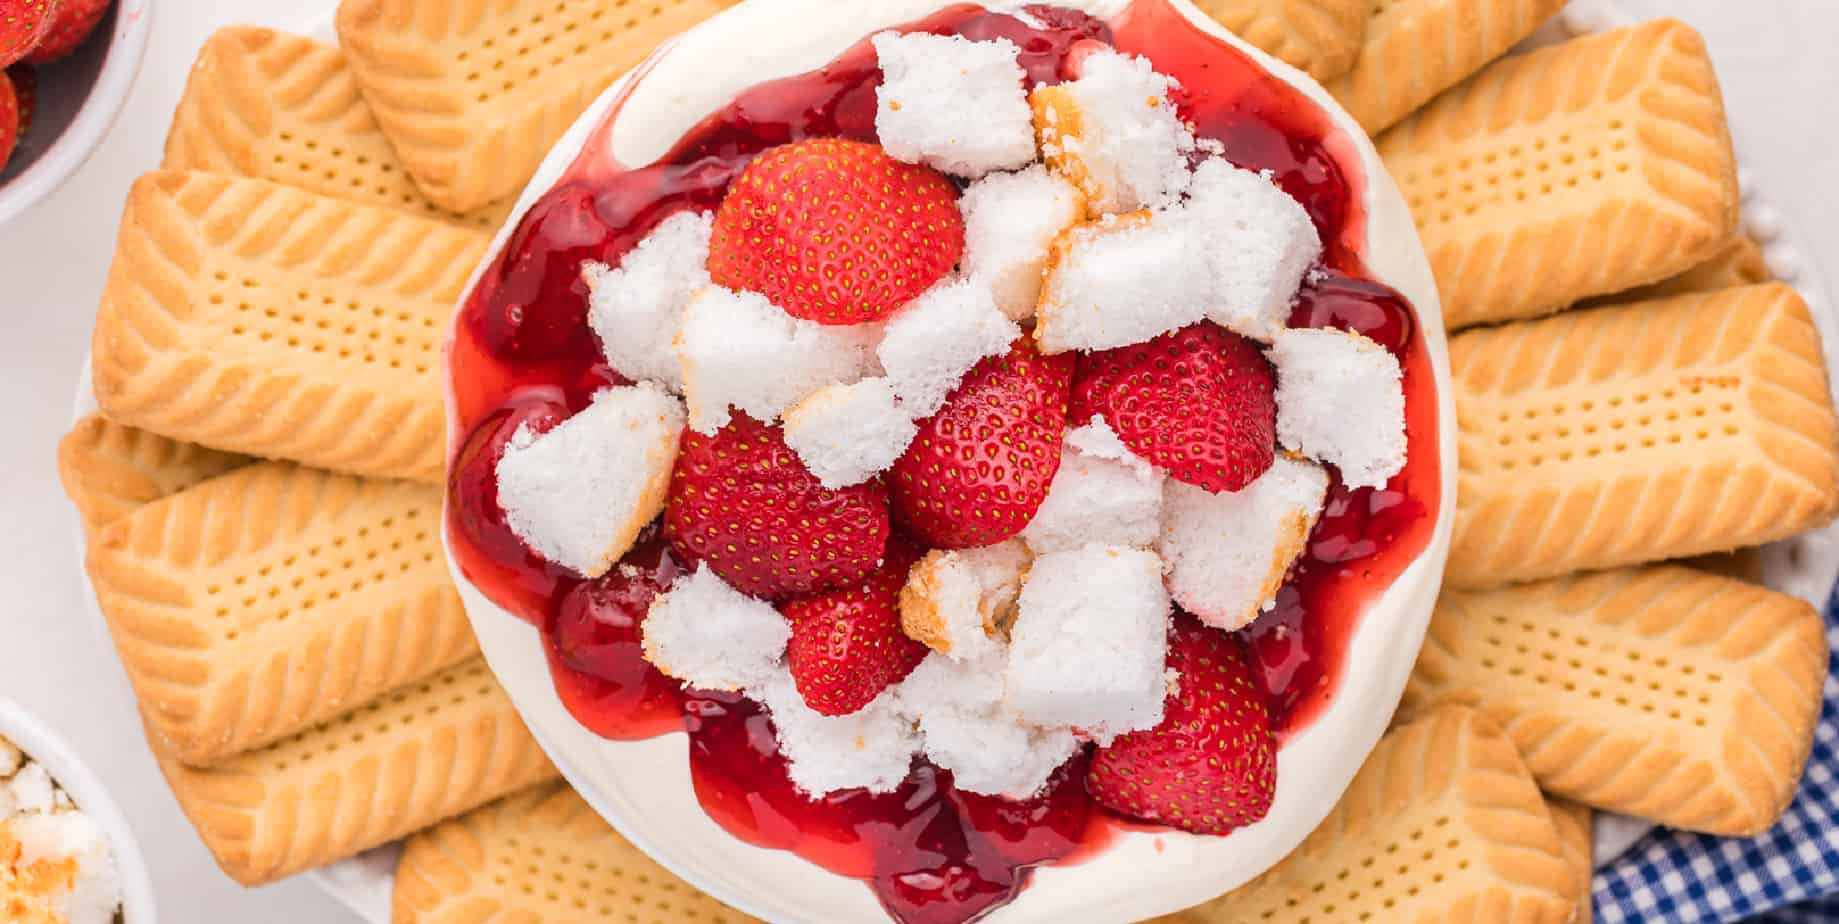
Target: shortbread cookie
(1576,836)
(540,855)
(1663,692)
(1656,430)
(1590,167)
(1322,37)
(1738,263)
(411,759)
(474,94)
(251,317)
(1442,824)
(260,602)
(280,107)
(1416,49)
(110,470)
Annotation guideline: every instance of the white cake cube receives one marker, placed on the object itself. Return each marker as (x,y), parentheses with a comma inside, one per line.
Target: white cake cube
(712,637)
(960,602)
(1341,399)
(930,344)
(871,748)
(966,730)
(1094,499)
(953,104)
(92,893)
(1010,221)
(1090,645)
(1115,134)
(580,493)
(1096,439)
(636,310)
(1259,243)
(32,789)
(1227,554)
(847,434)
(743,352)
(1121,281)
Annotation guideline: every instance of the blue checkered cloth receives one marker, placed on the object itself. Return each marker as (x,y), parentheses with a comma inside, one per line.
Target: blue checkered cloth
(1789,875)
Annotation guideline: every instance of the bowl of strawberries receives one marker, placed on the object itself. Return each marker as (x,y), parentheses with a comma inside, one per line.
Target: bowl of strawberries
(65,70)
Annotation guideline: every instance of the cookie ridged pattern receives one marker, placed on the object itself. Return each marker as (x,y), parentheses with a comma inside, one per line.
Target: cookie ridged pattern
(1416,49)
(1664,692)
(279,107)
(540,855)
(1442,824)
(261,602)
(1586,168)
(1319,37)
(109,470)
(1657,430)
(1740,262)
(414,758)
(1577,837)
(256,318)
(474,93)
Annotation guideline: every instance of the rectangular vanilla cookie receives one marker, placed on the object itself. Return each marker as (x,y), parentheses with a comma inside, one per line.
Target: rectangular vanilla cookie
(1442,824)
(411,759)
(1739,262)
(262,601)
(540,855)
(1663,692)
(1320,37)
(1577,836)
(474,94)
(110,470)
(255,318)
(1641,432)
(1416,49)
(275,106)
(1585,168)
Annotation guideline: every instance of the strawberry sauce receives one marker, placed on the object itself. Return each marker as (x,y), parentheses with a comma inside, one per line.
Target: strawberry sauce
(522,354)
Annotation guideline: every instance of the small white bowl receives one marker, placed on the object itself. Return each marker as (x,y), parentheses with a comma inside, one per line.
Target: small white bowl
(47,748)
(78,99)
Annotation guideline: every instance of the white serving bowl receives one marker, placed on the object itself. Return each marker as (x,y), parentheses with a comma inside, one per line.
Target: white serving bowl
(44,746)
(643,788)
(78,99)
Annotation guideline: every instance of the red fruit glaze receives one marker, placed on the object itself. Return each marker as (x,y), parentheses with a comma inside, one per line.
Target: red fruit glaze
(75,20)
(1211,766)
(741,503)
(980,468)
(836,231)
(11,123)
(23,25)
(847,645)
(1200,402)
(931,853)
(25,87)
(595,639)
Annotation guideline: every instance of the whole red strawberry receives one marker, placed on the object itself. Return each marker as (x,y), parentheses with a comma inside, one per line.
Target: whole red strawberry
(1199,402)
(836,231)
(1211,766)
(11,125)
(980,468)
(75,20)
(847,645)
(742,503)
(23,25)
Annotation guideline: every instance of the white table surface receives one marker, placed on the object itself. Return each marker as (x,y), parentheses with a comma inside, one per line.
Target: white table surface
(1772,55)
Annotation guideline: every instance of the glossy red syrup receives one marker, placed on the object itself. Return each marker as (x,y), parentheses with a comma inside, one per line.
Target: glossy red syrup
(523,356)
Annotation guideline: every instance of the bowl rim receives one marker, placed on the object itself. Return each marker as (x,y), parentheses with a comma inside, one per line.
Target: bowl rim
(45,746)
(80,139)
(1323,758)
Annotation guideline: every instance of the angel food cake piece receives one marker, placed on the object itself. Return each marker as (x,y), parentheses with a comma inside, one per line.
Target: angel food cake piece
(56,865)
(992,436)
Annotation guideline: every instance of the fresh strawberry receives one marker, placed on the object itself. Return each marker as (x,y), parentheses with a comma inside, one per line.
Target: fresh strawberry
(847,645)
(742,503)
(12,123)
(25,86)
(1199,402)
(23,25)
(1211,766)
(980,467)
(75,20)
(836,231)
